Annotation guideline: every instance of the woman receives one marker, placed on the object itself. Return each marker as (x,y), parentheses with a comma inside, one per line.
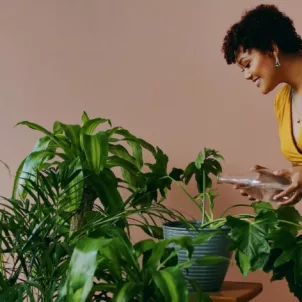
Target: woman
(267,48)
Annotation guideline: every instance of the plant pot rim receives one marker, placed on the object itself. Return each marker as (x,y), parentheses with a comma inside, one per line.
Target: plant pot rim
(179,225)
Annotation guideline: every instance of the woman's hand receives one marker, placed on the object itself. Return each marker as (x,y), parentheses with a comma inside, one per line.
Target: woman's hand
(294,192)
(250,192)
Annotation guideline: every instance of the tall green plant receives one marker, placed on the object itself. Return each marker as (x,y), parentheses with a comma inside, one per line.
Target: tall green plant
(90,158)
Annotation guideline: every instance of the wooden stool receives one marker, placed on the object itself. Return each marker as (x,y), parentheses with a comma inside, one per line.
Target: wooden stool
(232,291)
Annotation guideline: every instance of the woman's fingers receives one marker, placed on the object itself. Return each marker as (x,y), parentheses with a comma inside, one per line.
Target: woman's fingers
(295,198)
(282,172)
(291,189)
(257,167)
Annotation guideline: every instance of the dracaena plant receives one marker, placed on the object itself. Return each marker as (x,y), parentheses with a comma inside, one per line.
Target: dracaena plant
(36,242)
(90,157)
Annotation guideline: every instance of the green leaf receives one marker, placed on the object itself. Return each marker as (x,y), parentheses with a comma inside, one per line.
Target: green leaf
(203,237)
(131,138)
(72,132)
(56,128)
(122,152)
(298,263)
(85,118)
(189,172)
(114,161)
(291,215)
(143,246)
(30,167)
(211,260)
(39,128)
(198,295)
(262,207)
(243,262)
(105,186)
(96,150)
(152,230)
(90,125)
(172,285)
(199,160)
(82,266)
(250,237)
(126,292)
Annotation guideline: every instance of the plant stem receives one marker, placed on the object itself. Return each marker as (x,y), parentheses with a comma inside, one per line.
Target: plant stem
(203,195)
(234,206)
(292,223)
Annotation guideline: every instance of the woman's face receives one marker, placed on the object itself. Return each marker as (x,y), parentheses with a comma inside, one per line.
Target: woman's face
(259,68)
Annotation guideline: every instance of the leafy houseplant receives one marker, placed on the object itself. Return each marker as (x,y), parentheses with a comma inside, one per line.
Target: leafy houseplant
(267,239)
(68,187)
(117,271)
(87,162)
(208,276)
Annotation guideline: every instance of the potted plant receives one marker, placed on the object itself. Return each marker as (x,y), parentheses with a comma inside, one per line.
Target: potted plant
(210,259)
(67,224)
(69,184)
(265,238)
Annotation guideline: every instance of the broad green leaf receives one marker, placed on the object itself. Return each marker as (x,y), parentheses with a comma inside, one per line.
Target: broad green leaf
(243,262)
(172,285)
(137,153)
(262,207)
(130,138)
(91,125)
(29,168)
(106,188)
(143,246)
(39,128)
(285,257)
(211,260)
(291,215)
(72,132)
(96,150)
(126,292)
(56,128)
(82,266)
(143,143)
(176,242)
(121,152)
(250,237)
(189,172)
(114,161)
(298,263)
(41,144)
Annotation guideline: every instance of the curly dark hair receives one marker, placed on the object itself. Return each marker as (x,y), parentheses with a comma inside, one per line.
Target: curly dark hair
(259,28)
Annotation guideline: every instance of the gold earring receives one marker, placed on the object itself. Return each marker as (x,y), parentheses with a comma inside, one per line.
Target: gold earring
(277,63)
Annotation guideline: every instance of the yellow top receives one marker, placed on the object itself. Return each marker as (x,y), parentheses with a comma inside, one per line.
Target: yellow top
(291,149)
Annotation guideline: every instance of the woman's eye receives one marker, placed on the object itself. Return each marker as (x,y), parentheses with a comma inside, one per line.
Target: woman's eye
(248,65)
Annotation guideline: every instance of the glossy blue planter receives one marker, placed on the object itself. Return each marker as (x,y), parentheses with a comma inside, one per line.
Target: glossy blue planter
(210,278)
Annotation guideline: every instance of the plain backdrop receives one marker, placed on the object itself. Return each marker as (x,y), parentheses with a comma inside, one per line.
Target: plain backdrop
(153,67)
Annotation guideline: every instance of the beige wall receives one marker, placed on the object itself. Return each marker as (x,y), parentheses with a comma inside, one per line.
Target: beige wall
(154,67)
